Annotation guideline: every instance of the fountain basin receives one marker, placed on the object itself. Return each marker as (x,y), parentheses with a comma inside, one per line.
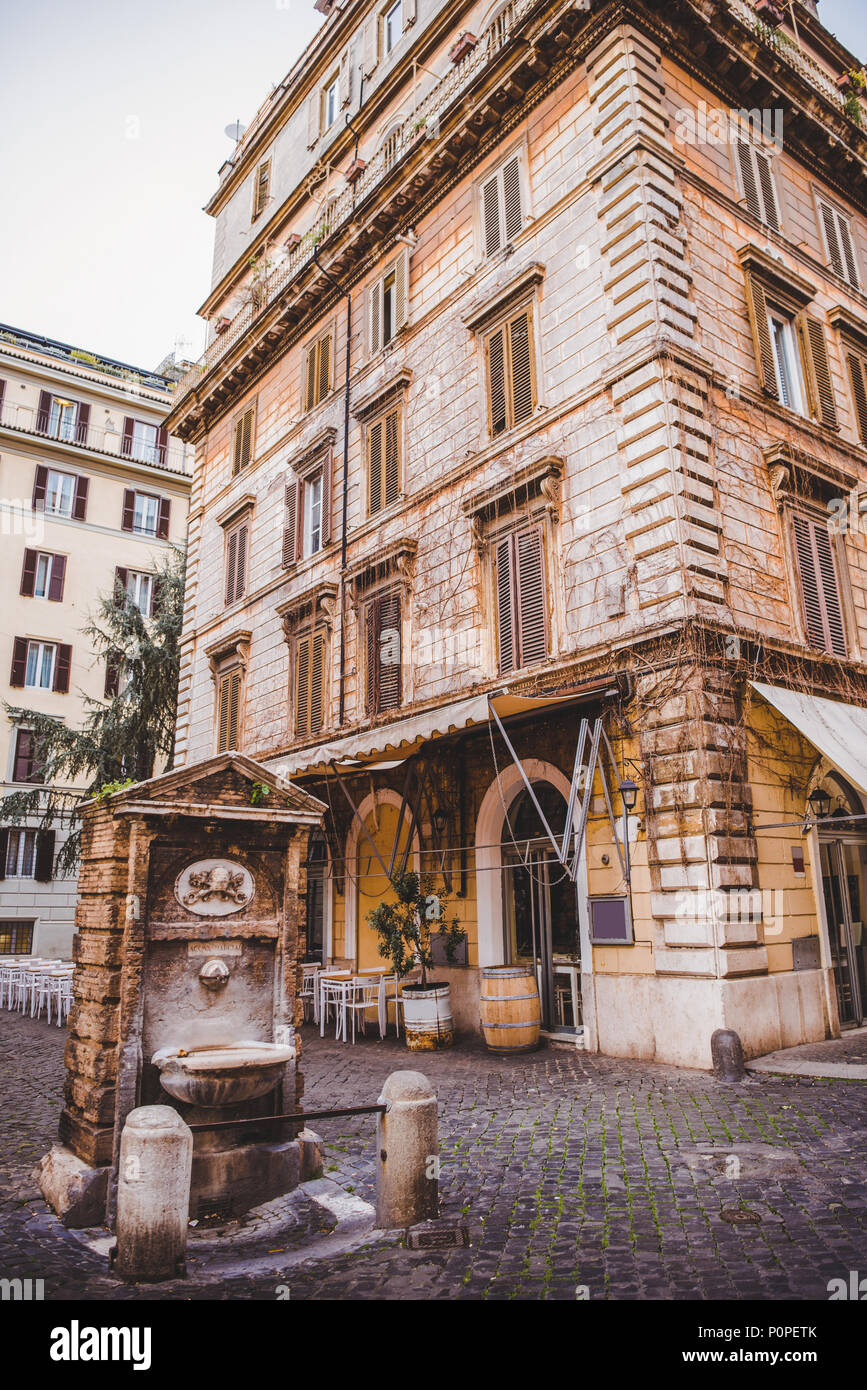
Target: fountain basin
(225,1074)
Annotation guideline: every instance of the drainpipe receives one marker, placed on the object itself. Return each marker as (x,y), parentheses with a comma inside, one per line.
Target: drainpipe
(345,501)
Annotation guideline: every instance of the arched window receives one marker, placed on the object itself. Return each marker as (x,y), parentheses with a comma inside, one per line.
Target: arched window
(498,29)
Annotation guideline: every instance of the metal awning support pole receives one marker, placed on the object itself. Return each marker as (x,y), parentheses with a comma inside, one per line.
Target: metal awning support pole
(584,802)
(527,783)
(400,815)
(622,854)
(376,852)
(575,787)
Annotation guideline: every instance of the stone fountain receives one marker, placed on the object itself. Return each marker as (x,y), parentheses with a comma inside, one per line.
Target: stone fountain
(191,893)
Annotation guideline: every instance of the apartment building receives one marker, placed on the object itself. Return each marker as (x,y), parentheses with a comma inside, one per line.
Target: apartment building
(92,489)
(527,524)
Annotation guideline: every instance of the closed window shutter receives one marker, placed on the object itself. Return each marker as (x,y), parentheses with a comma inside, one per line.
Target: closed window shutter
(23,767)
(383,653)
(770,211)
(317,682)
(401,291)
(43,413)
(327,496)
(495,352)
(758,184)
(748,179)
(392,458)
(58,577)
(302,684)
(324,368)
(521,368)
(164,519)
(4,849)
(848,250)
(310,379)
(82,424)
(375,444)
(2,393)
(838,239)
(291,512)
(126,437)
(19,661)
(40,486)
(162,444)
(532,614)
(514,219)
(374,315)
(128,519)
(505,584)
(112,682)
(263,180)
(820,593)
(62,669)
(817,371)
(858,379)
(491,215)
(231,565)
(314,118)
(44,868)
(236,564)
(229,712)
(829,224)
(243,443)
(79,505)
(28,573)
(757,306)
(121,578)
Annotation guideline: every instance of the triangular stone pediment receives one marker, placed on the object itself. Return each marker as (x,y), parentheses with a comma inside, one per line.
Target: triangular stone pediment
(224,784)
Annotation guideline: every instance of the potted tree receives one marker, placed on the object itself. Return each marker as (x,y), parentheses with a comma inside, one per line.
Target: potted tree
(405,930)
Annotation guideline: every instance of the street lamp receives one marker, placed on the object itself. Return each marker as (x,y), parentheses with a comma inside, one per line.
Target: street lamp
(820,803)
(628,795)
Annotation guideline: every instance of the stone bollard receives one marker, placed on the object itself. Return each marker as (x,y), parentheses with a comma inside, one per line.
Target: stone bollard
(153,1195)
(407,1187)
(727,1055)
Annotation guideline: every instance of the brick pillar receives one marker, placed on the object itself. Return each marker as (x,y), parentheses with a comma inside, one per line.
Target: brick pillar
(700,846)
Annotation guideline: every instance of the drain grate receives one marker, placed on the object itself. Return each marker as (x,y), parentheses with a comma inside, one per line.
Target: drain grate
(740,1216)
(438,1237)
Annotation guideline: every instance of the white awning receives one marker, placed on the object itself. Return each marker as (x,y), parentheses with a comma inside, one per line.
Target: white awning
(388,745)
(837,730)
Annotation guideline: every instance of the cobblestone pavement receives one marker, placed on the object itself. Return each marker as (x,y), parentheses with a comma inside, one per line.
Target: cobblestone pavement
(851,1048)
(570,1171)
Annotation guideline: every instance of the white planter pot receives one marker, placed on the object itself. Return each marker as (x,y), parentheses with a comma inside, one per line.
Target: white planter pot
(427,1017)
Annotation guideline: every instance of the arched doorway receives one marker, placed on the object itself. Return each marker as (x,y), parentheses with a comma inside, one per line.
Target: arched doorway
(540,905)
(843,866)
(366,882)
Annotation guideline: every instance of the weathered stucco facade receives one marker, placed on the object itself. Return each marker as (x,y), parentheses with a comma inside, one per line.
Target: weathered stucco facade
(623,338)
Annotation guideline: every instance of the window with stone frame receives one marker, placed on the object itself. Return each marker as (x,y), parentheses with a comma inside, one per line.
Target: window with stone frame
(310,680)
(384,461)
(25,766)
(501,210)
(318,366)
(388,303)
(242,439)
(383,641)
(792,360)
(757,184)
(510,370)
(230,691)
(520,596)
(236,553)
(307,505)
(856,363)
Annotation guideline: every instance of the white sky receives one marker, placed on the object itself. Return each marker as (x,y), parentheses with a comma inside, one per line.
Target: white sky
(112,115)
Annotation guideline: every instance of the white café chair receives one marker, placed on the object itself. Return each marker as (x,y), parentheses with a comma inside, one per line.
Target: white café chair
(362,992)
(331,996)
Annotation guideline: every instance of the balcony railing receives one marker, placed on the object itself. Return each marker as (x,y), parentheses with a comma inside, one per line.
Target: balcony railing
(100,439)
(789,51)
(422,124)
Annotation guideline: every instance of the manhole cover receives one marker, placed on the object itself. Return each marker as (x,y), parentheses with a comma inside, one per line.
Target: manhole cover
(740,1216)
(438,1238)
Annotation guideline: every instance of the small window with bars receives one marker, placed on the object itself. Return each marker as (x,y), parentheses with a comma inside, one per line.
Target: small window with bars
(230,686)
(236,561)
(384,461)
(242,446)
(16,938)
(317,372)
(502,206)
(818,573)
(384,652)
(261,189)
(511,372)
(839,246)
(310,675)
(756,171)
(521,598)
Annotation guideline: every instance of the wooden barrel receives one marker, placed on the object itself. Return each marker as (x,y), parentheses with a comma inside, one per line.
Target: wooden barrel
(511,1012)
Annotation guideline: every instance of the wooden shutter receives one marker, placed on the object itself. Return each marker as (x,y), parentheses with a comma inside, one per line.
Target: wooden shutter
(260,194)
(311,378)
(121,578)
(371,44)
(374,316)
(495,357)
(757,306)
(758,184)
(409,12)
(770,211)
(521,375)
(317,682)
(128,518)
(58,578)
(392,458)
(327,495)
(243,442)
(314,117)
(79,504)
(513,211)
(2,393)
(28,573)
(291,522)
(401,291)
(236,563)
(112,682)
(40,487)
(748,178)
(491,215)
(62,668)
(229,712)
(317,374)
(23,766)
(848,251)
(820,592)
(375,449)
(858,379)
(302,683)
(164,518)
(532,608)
(126,437)
(43,870)
(832,241)
(505,585)
(43,413)
(324,368)
(817,371)
(19,661)
(4,849)
(162,444)
(231,565)
(838,239)
(82,424)
(384,654)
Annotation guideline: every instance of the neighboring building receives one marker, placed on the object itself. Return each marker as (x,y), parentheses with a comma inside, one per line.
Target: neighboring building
(91,487)
(604,443)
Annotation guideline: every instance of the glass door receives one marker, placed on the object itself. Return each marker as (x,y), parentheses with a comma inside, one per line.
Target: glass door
(843,864)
